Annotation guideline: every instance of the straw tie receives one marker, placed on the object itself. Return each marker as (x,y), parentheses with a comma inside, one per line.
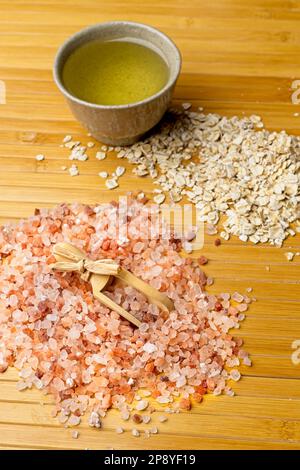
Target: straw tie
(84,265)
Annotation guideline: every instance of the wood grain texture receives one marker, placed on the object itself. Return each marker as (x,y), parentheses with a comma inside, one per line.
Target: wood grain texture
(238,58)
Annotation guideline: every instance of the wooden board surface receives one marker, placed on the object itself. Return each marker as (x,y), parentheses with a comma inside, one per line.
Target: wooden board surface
(239,57)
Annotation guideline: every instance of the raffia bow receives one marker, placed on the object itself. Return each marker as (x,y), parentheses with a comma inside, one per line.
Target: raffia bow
(81,264)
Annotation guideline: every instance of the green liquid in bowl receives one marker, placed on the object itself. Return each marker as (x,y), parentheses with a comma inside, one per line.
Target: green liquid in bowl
(114,72)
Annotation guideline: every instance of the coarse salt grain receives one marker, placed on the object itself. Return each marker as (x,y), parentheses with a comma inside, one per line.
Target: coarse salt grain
(162,419)
(142,405)
(57,334)
(40,157)
(146,419)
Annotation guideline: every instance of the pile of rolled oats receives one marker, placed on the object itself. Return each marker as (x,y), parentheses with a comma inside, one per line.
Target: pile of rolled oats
(229,166)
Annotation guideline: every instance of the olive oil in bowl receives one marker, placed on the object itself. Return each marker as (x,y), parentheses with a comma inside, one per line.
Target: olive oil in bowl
(116,72)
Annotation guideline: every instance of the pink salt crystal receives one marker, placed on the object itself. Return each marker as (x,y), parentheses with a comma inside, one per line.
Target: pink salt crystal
(74,420)
(154,430)
(142,405)
(235,375)
(247,361)
(72,346)
(58,384)
(242,307)
(162,419)
(237,297)
(146,419)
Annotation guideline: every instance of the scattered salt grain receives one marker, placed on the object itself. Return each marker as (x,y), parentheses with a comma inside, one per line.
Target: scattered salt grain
(119,430)
(136,418)
(90,145)
(237,297)
(142,405)
(125,415)
(75,434)
(235,375)
(103,174)
(40,157)
(162,419)
(186,105)
(149,348)
(154,430)
(74,420)
(135,432)
(146,419)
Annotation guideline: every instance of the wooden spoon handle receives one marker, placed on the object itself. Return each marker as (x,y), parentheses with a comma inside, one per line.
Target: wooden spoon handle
(155,297)
(113,306)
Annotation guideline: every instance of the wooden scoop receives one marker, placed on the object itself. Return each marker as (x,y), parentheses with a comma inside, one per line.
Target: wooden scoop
(100,273)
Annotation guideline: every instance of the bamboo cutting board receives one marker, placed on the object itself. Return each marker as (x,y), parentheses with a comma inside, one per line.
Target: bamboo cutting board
(238,58)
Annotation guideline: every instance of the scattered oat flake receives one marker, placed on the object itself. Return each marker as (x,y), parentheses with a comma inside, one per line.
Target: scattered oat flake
(120,170)
(100,155)
(221,164)
(289,255)
(67,138)
(111,184)
(73,170)
(159,199)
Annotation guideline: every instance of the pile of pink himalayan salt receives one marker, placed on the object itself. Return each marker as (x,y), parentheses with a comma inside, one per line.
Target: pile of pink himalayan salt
(65,342)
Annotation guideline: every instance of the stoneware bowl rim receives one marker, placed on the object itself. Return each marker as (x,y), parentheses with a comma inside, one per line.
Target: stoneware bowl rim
(57,64)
